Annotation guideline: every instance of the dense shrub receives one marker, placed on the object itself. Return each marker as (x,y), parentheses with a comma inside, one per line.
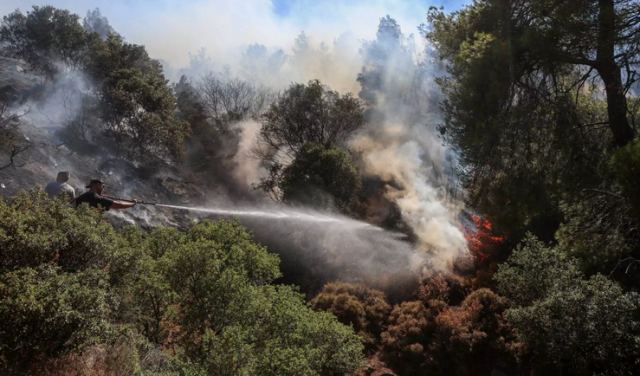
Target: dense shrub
(45,312)
(277,334)
(35,230)
(569,324)
(320,177)
(363,308)
(308,126)
(475,336)
(68,279)
(405,341)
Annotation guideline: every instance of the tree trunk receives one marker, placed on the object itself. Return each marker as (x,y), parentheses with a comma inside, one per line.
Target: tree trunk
(609,71)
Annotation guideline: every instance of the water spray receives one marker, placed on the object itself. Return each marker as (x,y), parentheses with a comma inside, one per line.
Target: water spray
(272,213)
(276,213)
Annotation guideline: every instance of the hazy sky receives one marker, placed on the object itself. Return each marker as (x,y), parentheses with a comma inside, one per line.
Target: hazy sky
(171,29)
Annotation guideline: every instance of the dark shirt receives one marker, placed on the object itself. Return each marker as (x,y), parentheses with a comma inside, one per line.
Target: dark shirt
(94,200)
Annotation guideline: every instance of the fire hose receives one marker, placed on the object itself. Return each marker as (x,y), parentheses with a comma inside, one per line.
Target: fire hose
(142,202)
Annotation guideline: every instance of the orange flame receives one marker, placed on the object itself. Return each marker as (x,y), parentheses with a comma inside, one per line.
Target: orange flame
(481,239)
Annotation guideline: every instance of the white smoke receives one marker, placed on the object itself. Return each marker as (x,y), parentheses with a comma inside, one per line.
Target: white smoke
(335,63)
(248,171)
(400,144)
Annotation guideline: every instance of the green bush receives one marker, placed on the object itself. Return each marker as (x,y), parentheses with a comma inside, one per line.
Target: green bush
(569,324)
(35,230)
(594,233)
(69,279)
(45,312)
(277,334)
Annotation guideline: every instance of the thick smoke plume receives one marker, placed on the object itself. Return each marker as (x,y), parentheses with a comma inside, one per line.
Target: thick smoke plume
(400,144)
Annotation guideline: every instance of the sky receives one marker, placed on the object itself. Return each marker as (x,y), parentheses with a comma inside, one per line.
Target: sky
(173,29)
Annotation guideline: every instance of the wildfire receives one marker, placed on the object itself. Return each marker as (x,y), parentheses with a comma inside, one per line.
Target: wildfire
(480,237)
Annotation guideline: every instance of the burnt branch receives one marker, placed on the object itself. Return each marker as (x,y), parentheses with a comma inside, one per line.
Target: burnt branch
(16,150)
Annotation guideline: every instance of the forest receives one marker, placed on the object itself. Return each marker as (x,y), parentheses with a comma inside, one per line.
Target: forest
(469,205)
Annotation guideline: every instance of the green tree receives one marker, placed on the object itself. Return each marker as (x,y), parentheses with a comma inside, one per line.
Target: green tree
(569,324)
(320,177)
(44,37)
(309,113)
(69,280)
(10,142)
(303,119)
(626,166)
(134,101)
(95,22)
(597,232)
(534,269)
(212,273)
(278,334)
(524,101)
(238,324)
(557,36)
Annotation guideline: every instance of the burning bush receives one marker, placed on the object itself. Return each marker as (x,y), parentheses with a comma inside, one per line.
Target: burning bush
(480,238)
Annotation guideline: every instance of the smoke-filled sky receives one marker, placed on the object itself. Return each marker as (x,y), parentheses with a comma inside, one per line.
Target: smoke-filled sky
(172,29)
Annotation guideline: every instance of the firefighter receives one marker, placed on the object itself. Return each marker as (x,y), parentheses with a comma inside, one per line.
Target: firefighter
(94,198)
(60,187)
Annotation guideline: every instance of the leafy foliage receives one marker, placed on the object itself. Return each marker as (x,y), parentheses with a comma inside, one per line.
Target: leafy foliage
(44,37)
(206,292)
(46,312)
(527,116)
(306,343)
(626,166)
(533,269)
(568,323)
(135,102)
(596,232)
(35,230)
(320,177)
(309,113)
(306,120)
